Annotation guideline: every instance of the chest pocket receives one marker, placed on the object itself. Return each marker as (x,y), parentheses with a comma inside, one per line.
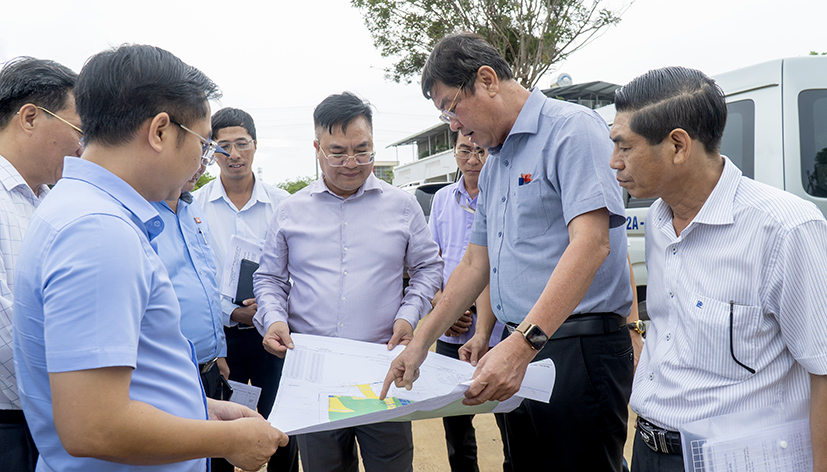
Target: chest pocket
(709,344)
(530,218)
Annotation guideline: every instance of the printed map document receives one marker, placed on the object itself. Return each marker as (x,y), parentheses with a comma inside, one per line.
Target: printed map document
(331,383)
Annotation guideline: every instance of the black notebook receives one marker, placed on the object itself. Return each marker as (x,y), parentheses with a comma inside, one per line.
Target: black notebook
(244,289)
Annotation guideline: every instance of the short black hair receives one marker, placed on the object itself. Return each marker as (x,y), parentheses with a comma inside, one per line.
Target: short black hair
(40,82)
(452,136)
(227,117)
(666,99)
(120,88)
(341,109)
(456,58)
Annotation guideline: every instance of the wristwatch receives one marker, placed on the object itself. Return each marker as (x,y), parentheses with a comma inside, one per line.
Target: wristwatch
(637,326)
(533,335)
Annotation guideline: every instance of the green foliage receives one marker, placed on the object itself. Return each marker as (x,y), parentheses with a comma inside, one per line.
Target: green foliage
(814,53)
(205,177)
(531,34)
(293,186)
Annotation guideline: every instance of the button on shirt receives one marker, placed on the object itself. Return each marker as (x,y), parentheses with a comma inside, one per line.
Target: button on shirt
(91,292)
(17,203)
(450,226)
(226,220)
(345,259)
(566,149)
(763,250)
(184,248)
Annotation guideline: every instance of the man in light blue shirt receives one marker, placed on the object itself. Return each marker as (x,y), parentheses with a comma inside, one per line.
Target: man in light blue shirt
(107,380)
(332,266)
(185,250)
(548,236)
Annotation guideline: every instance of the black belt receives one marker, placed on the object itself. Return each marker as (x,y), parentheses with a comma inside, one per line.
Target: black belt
(659,439)
(207,366)
(589,324)
(12,417)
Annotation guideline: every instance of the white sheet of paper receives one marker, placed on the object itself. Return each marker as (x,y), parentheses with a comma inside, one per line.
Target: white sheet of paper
(330,383)
(783,448)
(238,249)
(244,394)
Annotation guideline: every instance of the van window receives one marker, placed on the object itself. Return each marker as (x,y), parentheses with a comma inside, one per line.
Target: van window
(738,142)
(812,118)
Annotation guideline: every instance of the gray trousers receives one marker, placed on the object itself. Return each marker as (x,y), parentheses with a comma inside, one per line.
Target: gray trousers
(385,447)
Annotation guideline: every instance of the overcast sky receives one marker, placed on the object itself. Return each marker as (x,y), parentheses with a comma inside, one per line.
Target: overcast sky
(277,60)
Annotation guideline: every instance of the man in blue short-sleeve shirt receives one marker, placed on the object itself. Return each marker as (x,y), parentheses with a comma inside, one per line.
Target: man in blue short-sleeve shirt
(106,379)
(548,236)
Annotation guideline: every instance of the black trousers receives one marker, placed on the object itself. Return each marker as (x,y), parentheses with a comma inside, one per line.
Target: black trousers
(249,362)
(647,460)
(460,435)
(17,449)
(583,427)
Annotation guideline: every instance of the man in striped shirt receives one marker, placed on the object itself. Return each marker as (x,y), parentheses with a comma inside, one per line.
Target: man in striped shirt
(737,271)
(38,127)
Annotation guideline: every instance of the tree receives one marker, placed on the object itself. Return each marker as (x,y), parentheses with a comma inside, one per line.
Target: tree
(531,34)
(293,186)
(205,177)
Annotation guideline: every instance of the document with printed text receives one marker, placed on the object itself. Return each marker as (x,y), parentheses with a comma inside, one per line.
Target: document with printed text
(330,383)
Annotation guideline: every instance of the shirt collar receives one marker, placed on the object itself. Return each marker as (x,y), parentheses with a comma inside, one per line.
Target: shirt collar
(10,179)
(372,183)
(460,187)
(718,207)
(528,121)
(117,188)
(217,191)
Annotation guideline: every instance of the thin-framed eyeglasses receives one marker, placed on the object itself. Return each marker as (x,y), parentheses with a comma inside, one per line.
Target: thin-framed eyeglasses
(339,160)
(466,153)
(208,146)
(241,145)
(447,115)
(61,119)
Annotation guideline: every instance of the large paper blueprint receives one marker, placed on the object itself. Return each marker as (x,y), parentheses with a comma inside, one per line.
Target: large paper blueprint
(331,383)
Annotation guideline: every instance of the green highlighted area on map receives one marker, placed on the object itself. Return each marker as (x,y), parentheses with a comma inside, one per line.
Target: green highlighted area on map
(344,406)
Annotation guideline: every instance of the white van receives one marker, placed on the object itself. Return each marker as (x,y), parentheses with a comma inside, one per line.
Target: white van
(776,133)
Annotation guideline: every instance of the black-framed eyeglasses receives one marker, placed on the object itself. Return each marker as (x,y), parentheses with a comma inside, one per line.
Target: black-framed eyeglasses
(339,160)
(467,153)
(448,114)
(241,145)
(208,146)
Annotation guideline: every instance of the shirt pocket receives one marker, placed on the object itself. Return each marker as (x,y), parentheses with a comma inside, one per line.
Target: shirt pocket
(531,218)
(723,337)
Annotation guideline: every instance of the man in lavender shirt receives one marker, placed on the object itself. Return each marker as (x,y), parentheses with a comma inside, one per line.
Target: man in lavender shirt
(343,242)
(452,215)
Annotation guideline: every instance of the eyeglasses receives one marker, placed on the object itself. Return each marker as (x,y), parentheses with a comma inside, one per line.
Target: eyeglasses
(63,120)
(339,160)
(447,115)
(241,145)
(466,153)
(208,146)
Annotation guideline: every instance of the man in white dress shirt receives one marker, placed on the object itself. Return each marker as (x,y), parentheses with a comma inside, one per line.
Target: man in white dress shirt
(737,290)
(38,127)
(239,204)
